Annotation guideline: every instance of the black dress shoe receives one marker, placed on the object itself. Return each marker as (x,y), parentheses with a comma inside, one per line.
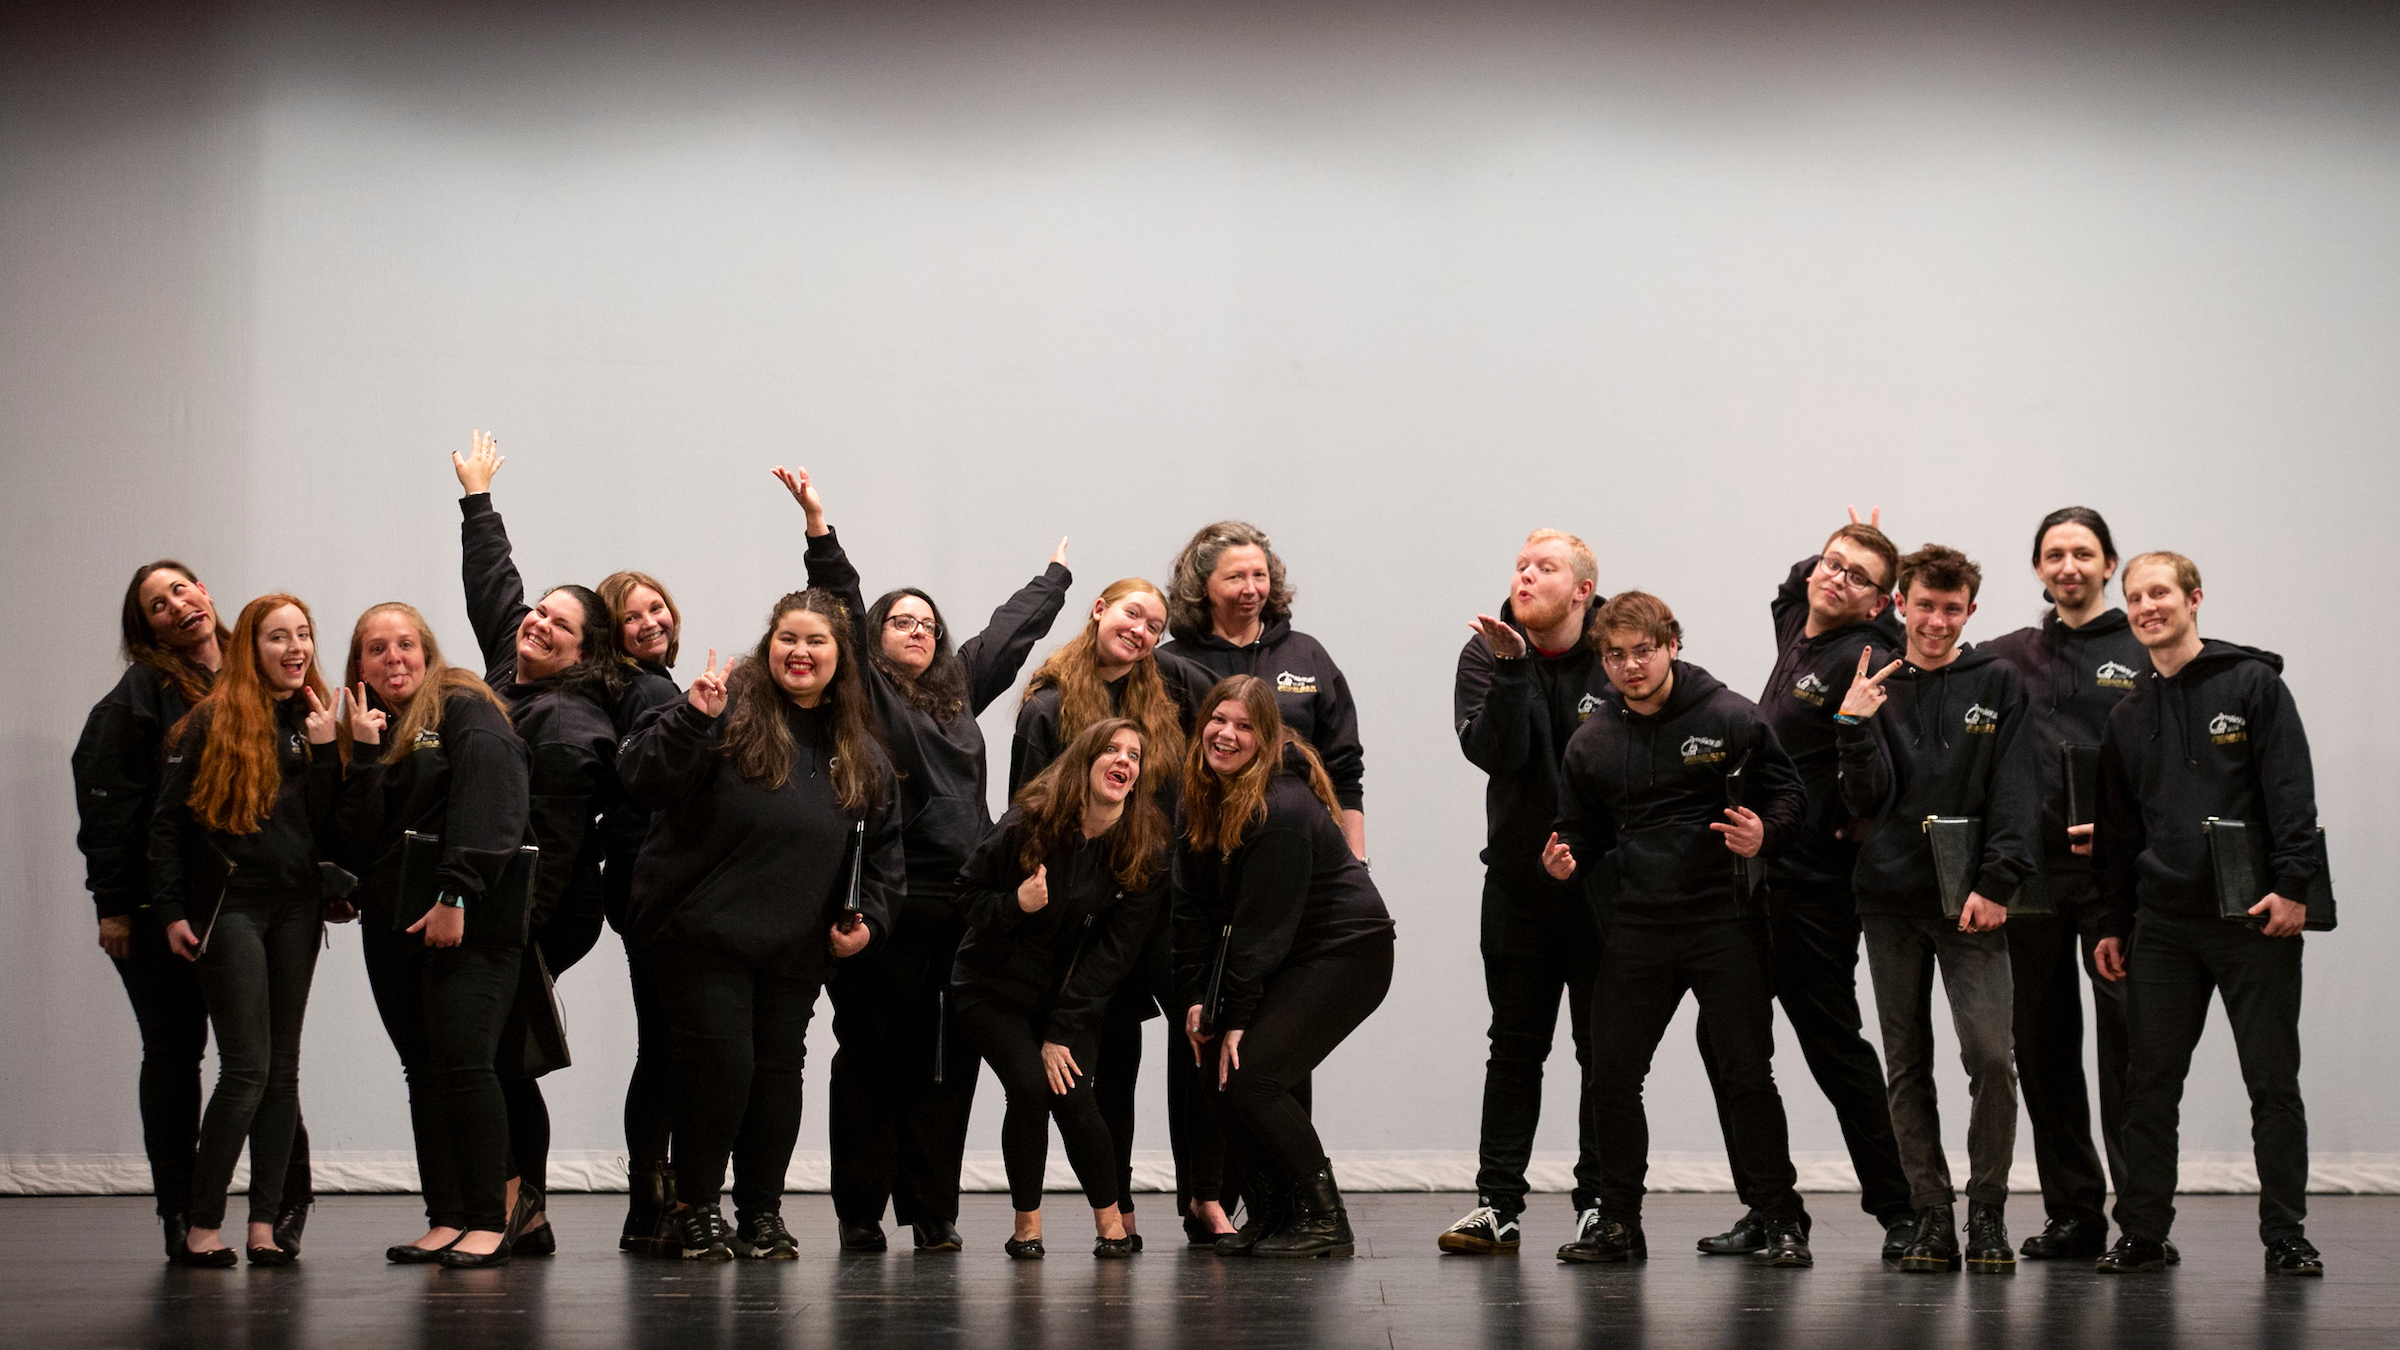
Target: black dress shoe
(410,1254)
(2078,1237)
(290,1223)
(174,1226)
(2293,1256)
(1787,1245)
(1748,1234)
(1987,1249)
(1028,1250)
(1899,1230)
(863,1237)
(1114,1249)
(1934,1250)
(941,1235)
(223,1258)
(2132,1256)
(1601,1240)
(454,1259)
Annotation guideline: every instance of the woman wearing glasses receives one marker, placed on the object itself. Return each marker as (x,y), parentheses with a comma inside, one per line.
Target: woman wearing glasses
(903,1080)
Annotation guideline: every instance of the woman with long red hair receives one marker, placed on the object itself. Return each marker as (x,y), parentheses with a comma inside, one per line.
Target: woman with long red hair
(249,790)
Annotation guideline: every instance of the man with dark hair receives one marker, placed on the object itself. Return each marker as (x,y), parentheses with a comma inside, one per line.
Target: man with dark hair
(2208,733)
(1943,732)
(1647,797)
(1831,609)
(1526,679)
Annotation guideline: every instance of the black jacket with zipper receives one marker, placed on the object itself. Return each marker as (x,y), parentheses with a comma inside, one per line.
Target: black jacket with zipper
(757,874)
(280,855)
(1310,691)
(1639,791)
(117,765)
(1804,691)
(467,781)
(1292,890)
(2074,678)
(2221,737)
(1514,718)
(626,824)
(1956,741)
(1066,959)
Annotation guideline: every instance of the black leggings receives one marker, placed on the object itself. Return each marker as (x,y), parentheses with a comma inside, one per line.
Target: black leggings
(1011,1042)
(443,1007)
(1306,1011)
(261,958)
(741,1039)
(565,940)
(650,1092)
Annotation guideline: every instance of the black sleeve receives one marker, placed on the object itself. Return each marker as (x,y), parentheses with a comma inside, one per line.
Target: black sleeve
(1336,739)
(358,814)
(829,569)
(644,694)
(2012,814)
(486,819)
(994,656)
(172,824)
(883,881)
(1187,682)
(1036,741)
(1193,935)
(1268,900)
(1116,946)
(669,756)
(1488,705)
(569,782)
(2117,839)
(1583,823)
(2287,783)
(116,769)
(323,797)
(1778,796)
(1864,766)
(1790,605)
(987,884)
(495,593)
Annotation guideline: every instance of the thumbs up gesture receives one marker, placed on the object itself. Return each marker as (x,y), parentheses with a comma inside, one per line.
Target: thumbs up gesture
(1034,891)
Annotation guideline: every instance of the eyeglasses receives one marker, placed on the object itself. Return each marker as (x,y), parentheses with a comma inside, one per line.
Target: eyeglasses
(1617,659)
(1832,566)
(906,624)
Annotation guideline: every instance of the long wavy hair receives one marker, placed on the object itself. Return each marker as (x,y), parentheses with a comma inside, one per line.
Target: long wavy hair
(234,785)
(1052,805)
(1216,809)
(759,741)
(941,691)
(141,644)
(424,710)
(617,587)
(1074,670)
(1189,615)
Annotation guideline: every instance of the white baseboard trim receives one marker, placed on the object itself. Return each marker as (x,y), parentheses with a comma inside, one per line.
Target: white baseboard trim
(601,1170)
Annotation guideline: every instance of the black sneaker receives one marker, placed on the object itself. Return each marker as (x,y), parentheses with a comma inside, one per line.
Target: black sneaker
(701,1235)
(762,1237)
(2293,1256)
(1485,1231)
(1600,1240)
(1786,1245)
(2078,1237)
(2132,1256)
(1987,1240)
(1748,1234)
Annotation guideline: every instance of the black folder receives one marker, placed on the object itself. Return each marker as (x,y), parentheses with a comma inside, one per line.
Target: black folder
(1957,855)
(1747,872)
(499,917)
(2080,765)
(2237,852)
(1212,1003)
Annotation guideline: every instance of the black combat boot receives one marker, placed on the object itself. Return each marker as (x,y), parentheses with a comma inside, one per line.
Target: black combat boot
(1319,1225)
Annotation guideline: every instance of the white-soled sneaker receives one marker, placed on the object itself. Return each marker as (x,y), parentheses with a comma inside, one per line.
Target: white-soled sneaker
(1485,1231)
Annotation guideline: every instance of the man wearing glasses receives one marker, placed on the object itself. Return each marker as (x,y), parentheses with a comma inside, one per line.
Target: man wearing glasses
(1646,800)
(1833,606)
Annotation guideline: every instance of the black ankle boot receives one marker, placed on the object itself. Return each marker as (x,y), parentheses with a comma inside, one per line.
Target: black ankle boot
(1268,1209)
(1987,1240)
(1319,1225)
(1936,1245)
(650,1191)
(174,1226)
(290,1223)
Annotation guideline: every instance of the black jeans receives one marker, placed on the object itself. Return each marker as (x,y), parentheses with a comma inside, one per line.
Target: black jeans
(563,941)
(2049,1032)
(1813,937)
(894,1132)
(1902,952)
(262,956)
(1644,972)
(1305,1012)
(1537,946)
(650,1091)
(1010,1040)
(2174,965)
(741,1040)
(443,1007)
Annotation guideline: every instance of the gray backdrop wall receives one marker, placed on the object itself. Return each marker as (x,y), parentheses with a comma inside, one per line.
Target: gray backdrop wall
(1398,284)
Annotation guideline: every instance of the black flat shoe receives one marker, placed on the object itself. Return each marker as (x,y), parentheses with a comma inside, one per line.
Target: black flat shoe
(454,1259)
(410,1254)
(174,1227)
(1028,1250)
(542,1241)
(272,1256)
(1115,1249)
(223,1258)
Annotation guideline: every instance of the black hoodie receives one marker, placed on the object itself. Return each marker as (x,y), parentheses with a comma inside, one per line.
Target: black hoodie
(466,782)
(625,824)
(941,761)
(563,720)
(1957,741)
(117,762)
(1038,742)
(2074,677)
(1513,719)
(1292,890)
(1066,958)
(280,855)
(1638,793)
(1811,675)
(755,874)
(2222,738)
(1310,692)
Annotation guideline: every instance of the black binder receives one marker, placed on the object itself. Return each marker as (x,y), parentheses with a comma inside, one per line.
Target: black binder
(217,876)
(2237,853)
(533,1042)
(1957,855)
(851,909)
(2080,766)
(500,917)
(1747,872)
(1213,1002)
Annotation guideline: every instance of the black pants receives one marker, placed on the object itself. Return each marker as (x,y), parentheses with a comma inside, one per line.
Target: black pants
(1644,972)
(1813,936)
(1537,946)
(650,1092)
(896,1132)
(2174,965)
(1306,1011)
(261,958)
(1010,1040)
(443,1007)
(2049,1034)
(741,1040)
(566,939)
(173,1016)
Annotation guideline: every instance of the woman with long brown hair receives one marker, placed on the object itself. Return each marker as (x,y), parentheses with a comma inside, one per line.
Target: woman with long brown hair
(776,810)
(431,752)
(247,796)
(1060,897)
(1282,948)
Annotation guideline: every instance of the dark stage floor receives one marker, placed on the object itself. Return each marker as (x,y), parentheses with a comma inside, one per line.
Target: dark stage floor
(85,1272)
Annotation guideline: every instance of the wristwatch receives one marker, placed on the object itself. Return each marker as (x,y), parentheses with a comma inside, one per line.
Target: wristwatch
(453,901)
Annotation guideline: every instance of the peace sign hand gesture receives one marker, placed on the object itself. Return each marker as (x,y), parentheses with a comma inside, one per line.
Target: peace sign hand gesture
(1867,692)
(709,692)
(321,726)
(366,723)
(476,467)
(1874,518)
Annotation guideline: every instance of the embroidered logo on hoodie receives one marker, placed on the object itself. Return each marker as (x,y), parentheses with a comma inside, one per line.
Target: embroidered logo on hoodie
(1586,706)
(2228,729)
(1809,689)
(1288,683)
(428,739)
(299,747)
(2114,675)
(1982,721)
(1703,750)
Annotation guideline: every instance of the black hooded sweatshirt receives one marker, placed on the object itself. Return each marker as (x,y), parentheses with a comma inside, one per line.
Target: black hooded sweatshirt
(280,855)
(2220,738)
(941,761)
(1310,692)
(1292,890)
(755,874)
(2074,677)
(1038,742)
(1513,719)
(1638,793)
(1811,675)
(1065,959)
(625,824)
(467,781)
(564,721)
(117,764)
(1957,741)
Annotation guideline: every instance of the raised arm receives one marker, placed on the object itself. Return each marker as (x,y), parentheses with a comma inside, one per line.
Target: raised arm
(671,754)
(1863,761)
(994,656)
(488,566)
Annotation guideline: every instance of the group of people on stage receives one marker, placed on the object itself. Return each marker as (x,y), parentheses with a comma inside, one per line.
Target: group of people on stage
(1186,838)
(1976,809)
